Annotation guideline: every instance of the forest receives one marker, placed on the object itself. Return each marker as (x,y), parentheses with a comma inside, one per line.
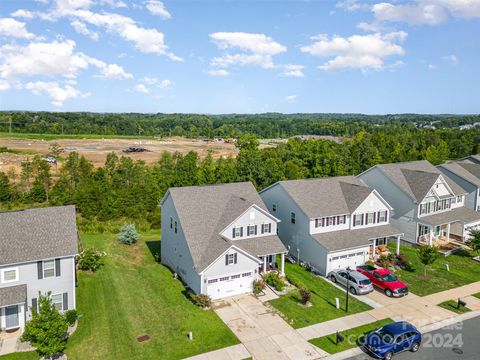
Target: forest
(124,189)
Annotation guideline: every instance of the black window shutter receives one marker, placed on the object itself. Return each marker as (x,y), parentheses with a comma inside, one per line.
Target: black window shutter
(323,222)
(334,218)
(233,233)
(269,227)
(374,217)
(65,301)
(40,269)
(57,267)
(354,220)
(344,219)
(386,214)
(255,230)
(226,259)
(235,258)
(34,303)
(363,218)
(241,231)
(261,229)
(378,216)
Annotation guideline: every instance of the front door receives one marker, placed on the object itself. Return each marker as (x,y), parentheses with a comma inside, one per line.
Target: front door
(11,316)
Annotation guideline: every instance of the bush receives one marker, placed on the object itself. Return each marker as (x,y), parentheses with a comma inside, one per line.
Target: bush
(273,279)
(306,295)
(71,316)
(258,286)
(128,234)
(90,259)
(386,260)
(202,300)
(403,262)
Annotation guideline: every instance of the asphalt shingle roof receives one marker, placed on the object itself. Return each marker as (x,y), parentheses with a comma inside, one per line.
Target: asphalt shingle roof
(461,214)
(204,211)
(416,178)
(13,295)
(37,234)
(327,196)
(464,169)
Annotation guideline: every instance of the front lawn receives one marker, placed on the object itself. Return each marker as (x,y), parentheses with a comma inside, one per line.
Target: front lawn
(351,337)
(452,306)
(29,355)
(323,300)
(463,270)
(134,295)
(477,295)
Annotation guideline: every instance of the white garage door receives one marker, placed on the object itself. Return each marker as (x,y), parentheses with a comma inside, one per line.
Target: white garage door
(230,285)
(345,259)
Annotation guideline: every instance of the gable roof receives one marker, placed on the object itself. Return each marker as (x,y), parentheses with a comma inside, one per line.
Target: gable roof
(472,159)
(13,295)
(204,211)
(327,196)
(464,169)
(37,234)
(416,178)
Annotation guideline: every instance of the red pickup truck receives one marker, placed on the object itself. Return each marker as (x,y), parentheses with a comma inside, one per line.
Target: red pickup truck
(385,280)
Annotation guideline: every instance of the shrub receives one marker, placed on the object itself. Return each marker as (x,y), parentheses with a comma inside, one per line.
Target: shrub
(71,316)
(403,262)
(273,279)
(427,255)
(203,300)
(128,234)
(90,259)
(306,295)
(370,262)
(258,286)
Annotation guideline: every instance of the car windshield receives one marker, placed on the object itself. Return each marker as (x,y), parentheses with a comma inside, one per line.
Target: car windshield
(389,278)
(365,282)
(385,335)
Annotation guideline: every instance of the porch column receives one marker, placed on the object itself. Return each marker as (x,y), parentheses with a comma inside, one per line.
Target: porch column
(398,245)
(448,232)
(264,264)
(430,237)
(282,265)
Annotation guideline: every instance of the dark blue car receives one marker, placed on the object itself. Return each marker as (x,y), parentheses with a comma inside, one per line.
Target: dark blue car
(393,338)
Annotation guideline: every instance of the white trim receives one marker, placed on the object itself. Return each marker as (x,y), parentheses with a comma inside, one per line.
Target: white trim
(54,269)
(226,251)
(17,275)
(247,210)
(61,300)
(37,260)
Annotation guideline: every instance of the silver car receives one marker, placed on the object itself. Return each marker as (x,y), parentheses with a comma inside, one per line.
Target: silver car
(358,284)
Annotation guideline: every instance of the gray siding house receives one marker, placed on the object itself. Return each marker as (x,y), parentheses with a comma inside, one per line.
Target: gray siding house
(219,238)
(37,255)
(429,207)
(330,223)
(466,174)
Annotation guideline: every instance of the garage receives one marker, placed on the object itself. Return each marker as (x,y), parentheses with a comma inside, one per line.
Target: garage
(344,259)
(230,285)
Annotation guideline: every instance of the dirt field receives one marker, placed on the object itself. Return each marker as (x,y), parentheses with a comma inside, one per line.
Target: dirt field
(96,150)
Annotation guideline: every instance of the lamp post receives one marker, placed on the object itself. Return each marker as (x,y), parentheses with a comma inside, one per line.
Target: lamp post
(348,278)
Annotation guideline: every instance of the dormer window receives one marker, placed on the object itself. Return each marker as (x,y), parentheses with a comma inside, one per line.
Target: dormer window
(382,216)
(266,228)
(251,230)
(237,232)
(274,207)
(370,218)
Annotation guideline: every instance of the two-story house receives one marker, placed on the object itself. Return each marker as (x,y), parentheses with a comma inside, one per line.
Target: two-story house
(37,256)
(428,205)
(474,159)
(330,223)
(219,238)
(466,174)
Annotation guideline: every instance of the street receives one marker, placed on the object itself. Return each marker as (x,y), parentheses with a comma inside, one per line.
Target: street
(460,341)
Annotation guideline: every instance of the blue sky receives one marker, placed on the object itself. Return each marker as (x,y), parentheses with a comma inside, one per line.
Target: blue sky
(216,56)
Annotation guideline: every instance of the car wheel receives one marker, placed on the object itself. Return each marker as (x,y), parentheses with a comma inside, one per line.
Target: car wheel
(333,278)
(415,347)
(388,293)
(388,356)
(353,291)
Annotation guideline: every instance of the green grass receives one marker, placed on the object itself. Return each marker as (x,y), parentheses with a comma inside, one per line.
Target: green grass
(13,151)
(351,337)
(452,306)
(463,270)
(134,295)
(323,300)
(477,295)
(70,136)
(29,355)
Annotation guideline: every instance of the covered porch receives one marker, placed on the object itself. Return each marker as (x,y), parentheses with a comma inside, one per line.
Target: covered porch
(272,262)
(379,246)
(13,300)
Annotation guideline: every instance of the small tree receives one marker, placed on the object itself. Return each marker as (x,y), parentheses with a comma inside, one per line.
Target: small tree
(427,255)
(47,329)
(474,241)
(306,295)
(128,234)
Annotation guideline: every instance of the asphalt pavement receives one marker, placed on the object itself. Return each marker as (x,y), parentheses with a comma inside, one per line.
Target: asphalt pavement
(460,341)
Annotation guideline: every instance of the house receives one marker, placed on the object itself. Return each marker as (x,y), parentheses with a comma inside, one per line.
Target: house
(330,223)
(472,159)
(466,174)
(428,205)
(219,238)
(37,256)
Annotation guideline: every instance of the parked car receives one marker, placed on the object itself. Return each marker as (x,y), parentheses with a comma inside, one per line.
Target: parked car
(357,282)
(393,338)
(385,280)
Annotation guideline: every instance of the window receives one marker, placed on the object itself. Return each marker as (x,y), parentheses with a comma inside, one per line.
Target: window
(331,221)
(423,209)
(171,222)
(351,255)
(237,232)
(358,220)
(231,259)
(57,300)
(343,257)
(224,278)
(251,230)
(360,253)
(236,276)
(266,228)
(274,207)
(9,275)
(341,219)
(382,217)
(212,281)
(292,217)
(176,229)
(370,218)
(334,258)
(246,274)
(48,268)
(459,198)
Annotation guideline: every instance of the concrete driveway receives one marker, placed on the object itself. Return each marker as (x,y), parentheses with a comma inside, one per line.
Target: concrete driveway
(263,332)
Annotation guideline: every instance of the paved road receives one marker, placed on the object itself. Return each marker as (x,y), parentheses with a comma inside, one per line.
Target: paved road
(461,342)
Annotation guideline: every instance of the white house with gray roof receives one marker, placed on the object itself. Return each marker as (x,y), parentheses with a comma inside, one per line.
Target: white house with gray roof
(466,174)
(429,207)
(37,255)
(219,238)
(330,223)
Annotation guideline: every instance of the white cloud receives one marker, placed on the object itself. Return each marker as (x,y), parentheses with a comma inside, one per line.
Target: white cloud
(453,59)
(371,27)
(58,94)
(113,3)
(431,67)
(4,85)
(219,73)
(351,5)
(21,13)
(291,98)
(13,28)
(81,28)
(141,88)
(357,51)
(114,72)
(165,84)
(157,8)
(293,70)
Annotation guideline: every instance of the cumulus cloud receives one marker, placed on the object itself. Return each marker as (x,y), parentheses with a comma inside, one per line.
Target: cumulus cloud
(293,70)
(357,51)
(114,72)
(4,85)
(165,84)
(351,5)
(58,94)
(158,8)
(81,28)
(141,88)
(12,28)
(21,13)
(219,73)
(291,98)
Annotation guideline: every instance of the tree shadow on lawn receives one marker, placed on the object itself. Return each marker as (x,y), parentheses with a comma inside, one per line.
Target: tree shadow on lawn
(155,249)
